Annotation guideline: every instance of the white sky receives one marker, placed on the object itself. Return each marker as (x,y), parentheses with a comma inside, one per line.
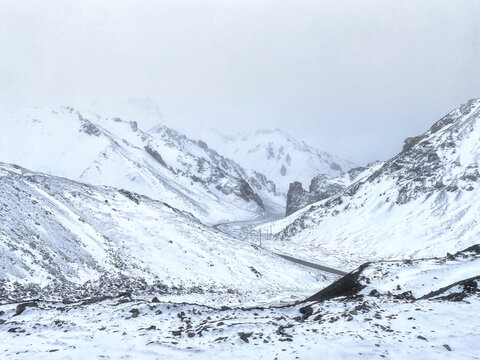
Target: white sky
(350,77)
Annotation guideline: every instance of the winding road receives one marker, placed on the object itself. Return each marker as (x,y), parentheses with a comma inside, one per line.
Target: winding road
(248,224)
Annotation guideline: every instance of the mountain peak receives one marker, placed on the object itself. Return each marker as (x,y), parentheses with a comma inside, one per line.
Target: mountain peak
(456,117)
(280,156)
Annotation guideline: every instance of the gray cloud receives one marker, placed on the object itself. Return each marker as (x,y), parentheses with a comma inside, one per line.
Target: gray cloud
(350,77)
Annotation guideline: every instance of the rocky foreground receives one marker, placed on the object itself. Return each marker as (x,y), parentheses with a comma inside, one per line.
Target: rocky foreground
(427,308)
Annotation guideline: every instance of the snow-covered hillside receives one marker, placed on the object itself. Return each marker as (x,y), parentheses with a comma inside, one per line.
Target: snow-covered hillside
(279,156)
(161,164)
(62,239)
(424,201)
(422,309)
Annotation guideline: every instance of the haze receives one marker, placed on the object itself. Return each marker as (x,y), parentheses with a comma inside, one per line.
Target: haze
(350,77)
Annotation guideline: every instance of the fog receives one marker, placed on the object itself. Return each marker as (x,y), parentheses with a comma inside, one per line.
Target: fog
(350,77)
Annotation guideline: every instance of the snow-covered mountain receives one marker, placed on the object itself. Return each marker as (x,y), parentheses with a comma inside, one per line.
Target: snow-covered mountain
(162,163)
(424,201)
(104,271)
(279,156)
(64,239)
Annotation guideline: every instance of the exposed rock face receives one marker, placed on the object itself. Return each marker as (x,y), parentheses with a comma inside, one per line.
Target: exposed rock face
(155,155)
(321,187)
(296,198)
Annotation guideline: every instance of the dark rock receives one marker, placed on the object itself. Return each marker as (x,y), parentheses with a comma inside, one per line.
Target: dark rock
(468,287)
(306,311)
(202,144)
(297,197)
(255,271)
(124,300)
(156,155)
(349,285)
(446,346)
(245,336)
(155,300)
(16,330)
(21,307)
(407,295)
(88,127)
(132,196)
(134,313)
(247,193)
(472,249)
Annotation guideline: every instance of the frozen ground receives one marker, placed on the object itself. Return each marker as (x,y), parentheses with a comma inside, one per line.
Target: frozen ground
(358,319)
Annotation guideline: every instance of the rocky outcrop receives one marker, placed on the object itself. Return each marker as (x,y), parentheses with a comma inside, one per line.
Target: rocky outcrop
(321,187)
(297,197)
(370,277)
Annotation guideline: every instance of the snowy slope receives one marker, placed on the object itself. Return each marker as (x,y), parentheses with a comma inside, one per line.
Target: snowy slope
(163,164)
(424,201)
(63,239)
(381,310)
(279,156)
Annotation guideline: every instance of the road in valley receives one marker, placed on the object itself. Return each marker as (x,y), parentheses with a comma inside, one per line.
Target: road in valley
(243,229)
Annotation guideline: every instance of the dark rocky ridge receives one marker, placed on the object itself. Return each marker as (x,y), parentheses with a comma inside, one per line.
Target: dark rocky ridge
(354,282)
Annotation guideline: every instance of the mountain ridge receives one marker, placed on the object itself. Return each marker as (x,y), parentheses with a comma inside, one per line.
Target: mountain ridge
(429,192)
(279,155)
(164,165)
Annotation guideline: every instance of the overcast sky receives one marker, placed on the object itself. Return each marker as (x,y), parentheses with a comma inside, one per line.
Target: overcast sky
(350,77)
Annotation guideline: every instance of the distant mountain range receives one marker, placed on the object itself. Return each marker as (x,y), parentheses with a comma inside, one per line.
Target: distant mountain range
(161,163)
(279,156)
